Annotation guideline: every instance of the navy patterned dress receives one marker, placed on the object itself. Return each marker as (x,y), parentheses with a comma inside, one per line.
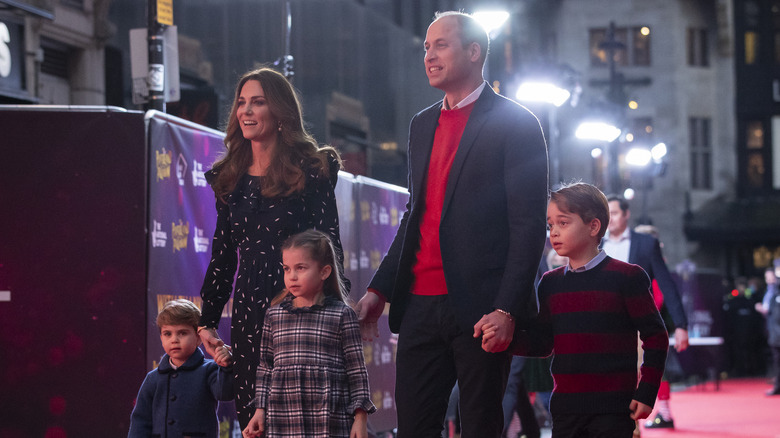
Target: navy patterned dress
(312,374)
(249,232)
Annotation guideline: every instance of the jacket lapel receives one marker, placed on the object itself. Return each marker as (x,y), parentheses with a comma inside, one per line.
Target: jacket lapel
(633,248)
(422,148)
(478,117)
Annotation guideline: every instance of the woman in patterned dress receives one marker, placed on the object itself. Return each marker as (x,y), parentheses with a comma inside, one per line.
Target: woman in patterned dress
(272,182)
(311,380)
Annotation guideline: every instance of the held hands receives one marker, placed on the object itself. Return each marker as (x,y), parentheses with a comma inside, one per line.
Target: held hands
(224,357)
(256,426)
(639,410)
(496,329)
(210,340)
(369,309)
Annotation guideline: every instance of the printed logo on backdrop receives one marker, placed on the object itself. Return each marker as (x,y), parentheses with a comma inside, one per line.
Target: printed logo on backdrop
(198,178)
(384,216)
(159,237)
(180,234)
(163,160)
(393,217)
(200,241)
(181,169)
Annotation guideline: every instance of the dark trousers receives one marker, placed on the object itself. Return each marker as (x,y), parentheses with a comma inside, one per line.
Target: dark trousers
(433,352)
(593,426)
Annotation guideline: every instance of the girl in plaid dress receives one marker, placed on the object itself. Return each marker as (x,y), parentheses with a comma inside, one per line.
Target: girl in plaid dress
(311,379)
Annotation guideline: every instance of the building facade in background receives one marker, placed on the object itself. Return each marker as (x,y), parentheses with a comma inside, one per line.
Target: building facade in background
(701,76)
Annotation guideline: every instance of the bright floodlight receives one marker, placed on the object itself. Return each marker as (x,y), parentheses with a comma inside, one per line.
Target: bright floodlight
(629,193)
(596,152)
(597,131)
(638,157)
(542,92)
(658,152)
(491,20)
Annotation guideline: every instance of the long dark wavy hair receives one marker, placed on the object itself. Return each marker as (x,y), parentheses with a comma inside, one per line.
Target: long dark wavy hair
(295,152)
(322,251)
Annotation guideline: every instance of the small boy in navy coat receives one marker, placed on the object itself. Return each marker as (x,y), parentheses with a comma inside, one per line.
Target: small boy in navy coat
(180,397)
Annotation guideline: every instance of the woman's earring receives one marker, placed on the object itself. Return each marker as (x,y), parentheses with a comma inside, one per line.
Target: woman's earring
(280,127)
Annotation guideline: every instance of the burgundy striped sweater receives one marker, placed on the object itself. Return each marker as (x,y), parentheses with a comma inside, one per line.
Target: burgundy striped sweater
(589,321)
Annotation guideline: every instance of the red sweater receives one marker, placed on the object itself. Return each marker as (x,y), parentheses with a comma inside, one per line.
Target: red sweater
(428,270)
(589,321)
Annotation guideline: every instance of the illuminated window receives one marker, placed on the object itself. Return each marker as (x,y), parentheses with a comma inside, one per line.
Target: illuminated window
(751,47)
(635,49)
(756,169)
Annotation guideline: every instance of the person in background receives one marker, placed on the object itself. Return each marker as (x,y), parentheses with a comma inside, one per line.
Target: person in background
(770,308)
(589,314)
(312,379)
(627,245)
(179,397)
(468,243)
(274,181)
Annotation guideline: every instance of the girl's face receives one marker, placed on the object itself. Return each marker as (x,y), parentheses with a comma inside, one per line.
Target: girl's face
(303,276)
(254,117)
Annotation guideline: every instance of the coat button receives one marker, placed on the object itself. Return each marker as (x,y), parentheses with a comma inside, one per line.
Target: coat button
(171,422)
(173,398)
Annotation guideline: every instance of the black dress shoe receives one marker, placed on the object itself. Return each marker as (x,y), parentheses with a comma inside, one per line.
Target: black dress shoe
(659,423)
(775,391)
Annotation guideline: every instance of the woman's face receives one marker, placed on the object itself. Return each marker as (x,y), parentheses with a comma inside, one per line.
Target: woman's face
(254,116)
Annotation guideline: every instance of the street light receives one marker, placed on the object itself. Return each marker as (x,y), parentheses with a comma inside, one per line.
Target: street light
(539,91)
(597,130)
(491,21)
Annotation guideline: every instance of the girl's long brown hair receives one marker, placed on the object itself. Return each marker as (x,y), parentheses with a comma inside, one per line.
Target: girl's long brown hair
(295,151)
(322,251)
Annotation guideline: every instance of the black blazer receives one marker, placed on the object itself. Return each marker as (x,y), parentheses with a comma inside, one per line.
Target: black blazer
(493,221)
(645,251)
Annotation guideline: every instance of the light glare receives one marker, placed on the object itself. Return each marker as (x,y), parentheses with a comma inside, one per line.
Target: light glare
(638,157)
(491,20)
(597,131)
(542,92)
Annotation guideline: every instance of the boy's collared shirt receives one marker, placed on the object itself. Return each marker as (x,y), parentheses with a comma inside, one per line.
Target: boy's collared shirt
(588,266)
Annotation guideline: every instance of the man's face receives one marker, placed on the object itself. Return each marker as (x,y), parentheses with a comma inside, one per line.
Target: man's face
(618,219)
(447,63)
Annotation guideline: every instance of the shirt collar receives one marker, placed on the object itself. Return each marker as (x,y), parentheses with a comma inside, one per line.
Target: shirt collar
(588,266)
(625,235)
(471,98)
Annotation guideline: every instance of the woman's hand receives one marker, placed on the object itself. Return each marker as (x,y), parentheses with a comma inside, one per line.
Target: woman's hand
(210,340)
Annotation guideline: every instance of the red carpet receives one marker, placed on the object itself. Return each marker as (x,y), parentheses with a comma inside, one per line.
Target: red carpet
(738,409)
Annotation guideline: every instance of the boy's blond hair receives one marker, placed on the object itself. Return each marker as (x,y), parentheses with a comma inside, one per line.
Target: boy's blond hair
(584,200)
(179,312)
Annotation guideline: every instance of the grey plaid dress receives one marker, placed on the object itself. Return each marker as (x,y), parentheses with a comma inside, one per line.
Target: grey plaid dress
(312,374)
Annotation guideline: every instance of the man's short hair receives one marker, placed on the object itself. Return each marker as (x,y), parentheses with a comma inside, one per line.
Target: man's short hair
(179,312)
(584,200)
(621,201)
(470,31)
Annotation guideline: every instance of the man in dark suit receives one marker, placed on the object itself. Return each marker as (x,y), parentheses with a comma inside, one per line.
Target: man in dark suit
(468,243)
(642,249)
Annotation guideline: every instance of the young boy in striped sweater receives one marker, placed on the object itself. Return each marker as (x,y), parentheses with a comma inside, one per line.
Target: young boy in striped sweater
(589,315)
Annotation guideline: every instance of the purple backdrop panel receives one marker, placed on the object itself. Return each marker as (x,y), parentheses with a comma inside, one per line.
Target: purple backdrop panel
(378,209)
(345,201)
(181,224)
